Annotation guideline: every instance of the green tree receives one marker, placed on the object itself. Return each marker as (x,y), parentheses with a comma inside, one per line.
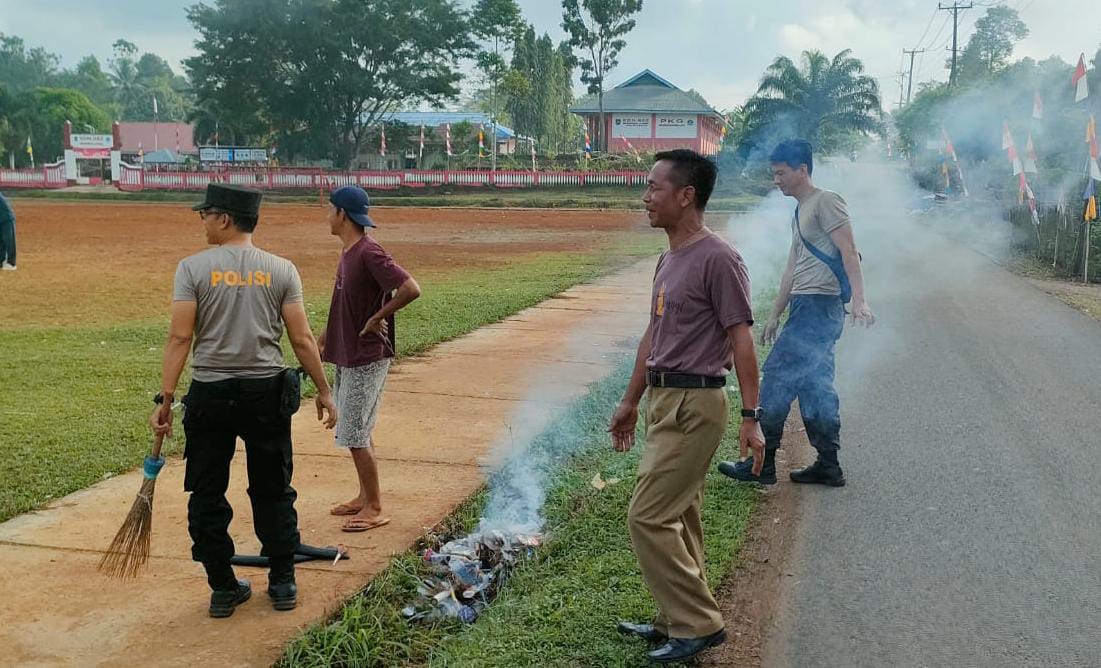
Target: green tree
(41,113)
(991,45)
(320,73)
(597,27)
(539,90)
(23,69)
(89,78)
(138,80)
(820,101)
(498,24)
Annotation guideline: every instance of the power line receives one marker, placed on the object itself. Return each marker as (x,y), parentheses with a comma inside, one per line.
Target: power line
(910,85)
(955,9)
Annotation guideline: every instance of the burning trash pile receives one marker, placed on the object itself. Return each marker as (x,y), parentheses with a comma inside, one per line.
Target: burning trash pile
(467,573)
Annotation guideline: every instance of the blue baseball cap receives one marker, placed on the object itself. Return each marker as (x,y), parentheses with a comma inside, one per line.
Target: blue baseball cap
(353,201)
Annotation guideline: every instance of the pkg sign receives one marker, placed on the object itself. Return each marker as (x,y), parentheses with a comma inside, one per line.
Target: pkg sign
(677,126)
(232,154)
(632,126)
(91,141)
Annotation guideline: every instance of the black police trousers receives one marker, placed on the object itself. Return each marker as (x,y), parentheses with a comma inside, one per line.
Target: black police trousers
(216,414)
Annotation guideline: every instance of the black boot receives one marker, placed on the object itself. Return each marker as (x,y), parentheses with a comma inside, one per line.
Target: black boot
(227,591)
(824,471)
(281,587)
(743,470)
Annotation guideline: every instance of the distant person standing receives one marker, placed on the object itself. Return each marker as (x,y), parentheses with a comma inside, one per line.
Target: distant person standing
(822,275)
(233,302)
(700,327)
(7,235)
(359,339)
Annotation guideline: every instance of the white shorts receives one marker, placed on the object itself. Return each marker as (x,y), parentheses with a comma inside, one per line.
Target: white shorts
(357,392)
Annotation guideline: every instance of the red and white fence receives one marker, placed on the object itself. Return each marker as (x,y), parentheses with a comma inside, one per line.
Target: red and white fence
(135,178)
(46,176)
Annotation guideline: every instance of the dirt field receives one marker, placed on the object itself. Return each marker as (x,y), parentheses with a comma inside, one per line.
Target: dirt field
(84,263)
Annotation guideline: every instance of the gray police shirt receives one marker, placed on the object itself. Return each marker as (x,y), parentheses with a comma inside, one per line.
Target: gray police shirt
(822,213)
(239,293)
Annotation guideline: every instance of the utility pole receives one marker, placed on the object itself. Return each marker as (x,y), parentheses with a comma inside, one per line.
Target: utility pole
(901,76)
(910,85)
(955,9)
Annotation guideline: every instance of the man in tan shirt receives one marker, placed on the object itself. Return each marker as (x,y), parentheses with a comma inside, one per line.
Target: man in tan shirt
(700,326)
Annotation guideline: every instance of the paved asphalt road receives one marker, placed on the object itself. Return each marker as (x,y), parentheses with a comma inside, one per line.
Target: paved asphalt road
(970,531)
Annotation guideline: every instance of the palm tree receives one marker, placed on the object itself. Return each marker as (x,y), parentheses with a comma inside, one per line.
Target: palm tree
(821,101)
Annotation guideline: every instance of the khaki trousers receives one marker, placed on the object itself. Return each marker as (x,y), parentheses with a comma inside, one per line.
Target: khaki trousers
(683,431)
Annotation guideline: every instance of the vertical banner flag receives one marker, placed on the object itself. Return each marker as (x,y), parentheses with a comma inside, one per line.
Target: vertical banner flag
(1081,86)
(481,140)
(447,139)
(1037,106)
(533,155)
(955,160)
(141,153)
(722,134)
(420,151)
(177,140)
(1090,213)
(1030,156)
(1093,170)
(30,151)
(382,140)
(1011,150)
(154,105)
(588,145)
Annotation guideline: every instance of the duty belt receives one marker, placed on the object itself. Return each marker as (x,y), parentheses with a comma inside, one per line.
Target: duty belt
(683,380)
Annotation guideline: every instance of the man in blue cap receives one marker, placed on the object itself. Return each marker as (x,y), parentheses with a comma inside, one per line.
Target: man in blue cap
(359,339)
(233,302)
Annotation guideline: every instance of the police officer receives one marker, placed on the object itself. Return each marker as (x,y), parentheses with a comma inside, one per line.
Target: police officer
(230,305)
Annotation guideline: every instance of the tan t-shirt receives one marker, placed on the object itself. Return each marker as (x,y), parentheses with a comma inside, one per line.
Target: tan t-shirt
(239,293)
(822,213)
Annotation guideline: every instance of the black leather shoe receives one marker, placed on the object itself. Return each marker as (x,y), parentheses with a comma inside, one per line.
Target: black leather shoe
(683,649)
(284,596)
(743,472)
(819,473)
(645,631)
(224,601)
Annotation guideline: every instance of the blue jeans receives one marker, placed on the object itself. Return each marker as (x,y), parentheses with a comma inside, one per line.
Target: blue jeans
(801,366)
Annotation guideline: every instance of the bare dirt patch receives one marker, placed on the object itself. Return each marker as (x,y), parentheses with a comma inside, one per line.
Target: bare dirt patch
(84,263)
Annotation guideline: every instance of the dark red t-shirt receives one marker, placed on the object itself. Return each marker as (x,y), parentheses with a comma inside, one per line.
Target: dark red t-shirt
(365,277)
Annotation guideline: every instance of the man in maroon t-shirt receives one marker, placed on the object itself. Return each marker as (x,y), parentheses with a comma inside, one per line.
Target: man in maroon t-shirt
(359,339)
(700,327)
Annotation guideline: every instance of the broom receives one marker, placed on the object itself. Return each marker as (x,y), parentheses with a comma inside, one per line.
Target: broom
(129,550)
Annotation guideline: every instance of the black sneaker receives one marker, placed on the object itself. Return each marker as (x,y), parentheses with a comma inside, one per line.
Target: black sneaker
(224,601)
(820,473)
(645,631)
(743,471)
(284,596)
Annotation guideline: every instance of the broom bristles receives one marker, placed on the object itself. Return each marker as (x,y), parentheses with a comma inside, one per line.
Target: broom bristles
(129,550)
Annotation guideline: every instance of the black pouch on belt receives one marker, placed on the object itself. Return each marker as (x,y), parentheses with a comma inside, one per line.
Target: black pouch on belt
(290,398)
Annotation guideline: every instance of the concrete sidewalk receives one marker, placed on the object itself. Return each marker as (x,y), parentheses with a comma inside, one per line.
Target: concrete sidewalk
(445,416)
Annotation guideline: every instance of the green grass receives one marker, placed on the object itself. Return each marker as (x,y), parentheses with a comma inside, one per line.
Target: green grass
(560,608)
(540,198)
(75,401)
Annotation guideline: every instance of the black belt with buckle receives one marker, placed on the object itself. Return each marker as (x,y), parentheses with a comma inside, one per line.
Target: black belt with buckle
(683,380)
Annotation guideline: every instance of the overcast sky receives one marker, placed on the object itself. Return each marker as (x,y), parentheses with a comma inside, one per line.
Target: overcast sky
(718,47)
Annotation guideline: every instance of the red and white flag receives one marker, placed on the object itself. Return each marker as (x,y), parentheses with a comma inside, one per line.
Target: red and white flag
(447,138)
(382,141)
(1007,136)
(1037,106)
(1081,86)
(1092,168)
(1030,156)
(1011,151)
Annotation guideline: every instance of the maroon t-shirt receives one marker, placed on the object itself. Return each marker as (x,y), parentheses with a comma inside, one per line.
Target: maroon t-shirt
(699,291)
(365,277)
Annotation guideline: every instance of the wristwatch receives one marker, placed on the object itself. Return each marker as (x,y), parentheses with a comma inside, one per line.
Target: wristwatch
(752,414)
(159,397)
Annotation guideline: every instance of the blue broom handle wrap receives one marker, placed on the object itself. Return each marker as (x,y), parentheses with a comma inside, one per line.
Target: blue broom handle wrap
(153,462)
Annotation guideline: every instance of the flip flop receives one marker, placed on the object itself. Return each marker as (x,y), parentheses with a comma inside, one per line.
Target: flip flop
(357,526)
(345,509)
